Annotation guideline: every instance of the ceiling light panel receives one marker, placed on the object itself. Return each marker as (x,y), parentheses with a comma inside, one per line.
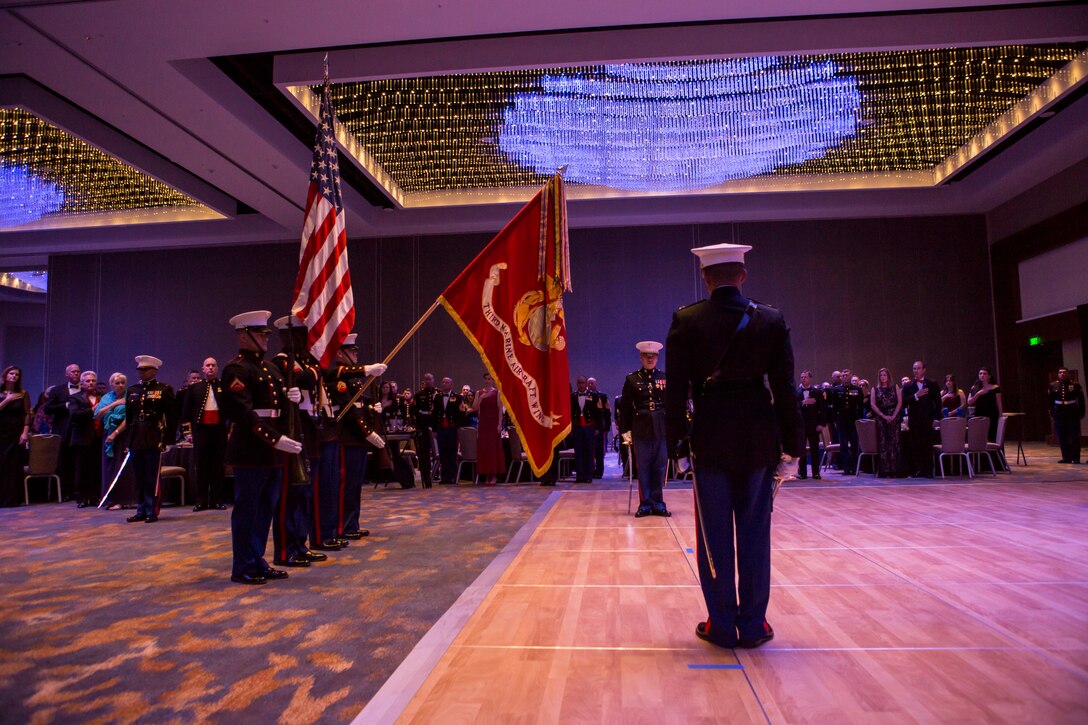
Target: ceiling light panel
(691,125)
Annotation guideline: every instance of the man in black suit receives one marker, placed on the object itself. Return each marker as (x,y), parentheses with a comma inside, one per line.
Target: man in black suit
(811,398)
(84,440)
(742,437)
(583,415)
(56,405)
(203,420)
(922,401)
(448,417)
(604,427)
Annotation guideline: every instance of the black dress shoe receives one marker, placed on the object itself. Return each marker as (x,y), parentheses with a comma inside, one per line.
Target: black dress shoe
(816,477)
(273,574)
(661,511)
(328,545)
(768,635)
(801,476)
(701,633)
(342,543)
(313,556)
(201,507)
(248,579)
(82,504)
(218,506)
(643,511)
(294,561)
(151,519)
(356,535)
(136,517)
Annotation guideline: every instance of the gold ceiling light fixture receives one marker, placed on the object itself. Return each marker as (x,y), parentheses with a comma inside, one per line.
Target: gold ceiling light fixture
(48,177)
(907,118)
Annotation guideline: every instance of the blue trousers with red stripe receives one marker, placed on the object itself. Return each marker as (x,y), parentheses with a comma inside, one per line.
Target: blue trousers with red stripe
(256,495)
(727,502)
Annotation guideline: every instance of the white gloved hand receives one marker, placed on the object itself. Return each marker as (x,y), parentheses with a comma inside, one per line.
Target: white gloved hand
(377,407)
(375,440)
(375,369)
(288,445)
(683,464)
(294,395)
(626,437)
(786,470)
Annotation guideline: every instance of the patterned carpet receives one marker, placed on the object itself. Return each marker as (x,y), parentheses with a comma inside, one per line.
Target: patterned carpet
(105,621)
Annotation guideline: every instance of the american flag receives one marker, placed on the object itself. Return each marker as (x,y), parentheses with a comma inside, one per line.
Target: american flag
(323,298)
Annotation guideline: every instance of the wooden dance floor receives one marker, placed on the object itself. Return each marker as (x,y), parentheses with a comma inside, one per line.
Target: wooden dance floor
(959,601)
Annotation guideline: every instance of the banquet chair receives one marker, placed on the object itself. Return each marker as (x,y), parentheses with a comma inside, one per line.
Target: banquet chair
(953,443)
(978,428)
(828,449)
(997,448)
(466,441)
(517,457)
(867,443)
(174,473)
(42,463)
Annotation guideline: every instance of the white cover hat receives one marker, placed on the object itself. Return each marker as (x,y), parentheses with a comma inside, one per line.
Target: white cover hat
(648,346)
(256,318)
(281,323)
(148,361)
(349,341)
(720,254)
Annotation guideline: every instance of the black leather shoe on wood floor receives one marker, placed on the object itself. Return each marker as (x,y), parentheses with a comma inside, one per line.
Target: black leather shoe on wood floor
(248,579)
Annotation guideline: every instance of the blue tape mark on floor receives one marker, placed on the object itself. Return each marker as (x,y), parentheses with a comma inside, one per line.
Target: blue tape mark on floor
(716,667)
(691,550)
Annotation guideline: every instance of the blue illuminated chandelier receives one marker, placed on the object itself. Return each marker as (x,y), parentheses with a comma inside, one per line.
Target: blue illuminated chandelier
(681,126)
(24,197)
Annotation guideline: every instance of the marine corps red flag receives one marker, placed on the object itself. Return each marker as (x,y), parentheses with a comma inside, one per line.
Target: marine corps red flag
(509,302)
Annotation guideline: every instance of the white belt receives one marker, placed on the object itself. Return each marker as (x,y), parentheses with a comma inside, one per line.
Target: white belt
(1065,402)
(267,412)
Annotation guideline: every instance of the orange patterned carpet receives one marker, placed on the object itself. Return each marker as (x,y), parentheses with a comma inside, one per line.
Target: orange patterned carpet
(104,621)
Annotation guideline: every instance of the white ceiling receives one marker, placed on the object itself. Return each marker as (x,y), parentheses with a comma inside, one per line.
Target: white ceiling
(133,77)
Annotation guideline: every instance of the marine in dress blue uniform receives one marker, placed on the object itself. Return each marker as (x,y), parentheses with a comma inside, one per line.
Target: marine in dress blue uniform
(1066,399)
(736,359)
(640,414)
(254,403)
(604,427)
(355,432)
(151,417)
(291,526)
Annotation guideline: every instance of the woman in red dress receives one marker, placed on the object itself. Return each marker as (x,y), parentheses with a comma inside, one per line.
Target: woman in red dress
(490,461)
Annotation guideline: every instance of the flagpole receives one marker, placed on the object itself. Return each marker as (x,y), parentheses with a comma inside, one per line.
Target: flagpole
(396,348)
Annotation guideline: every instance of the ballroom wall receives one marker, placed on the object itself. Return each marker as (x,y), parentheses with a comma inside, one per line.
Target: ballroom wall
(863,293)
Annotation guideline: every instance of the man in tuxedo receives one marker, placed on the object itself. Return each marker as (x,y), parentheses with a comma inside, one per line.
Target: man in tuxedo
(201,418)
(448,417)
(56,405)
(604,427)
(922,400)
(84,439)
(811,398)
(583,415)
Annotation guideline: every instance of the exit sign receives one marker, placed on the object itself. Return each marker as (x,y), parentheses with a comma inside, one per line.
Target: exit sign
(1035,341)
